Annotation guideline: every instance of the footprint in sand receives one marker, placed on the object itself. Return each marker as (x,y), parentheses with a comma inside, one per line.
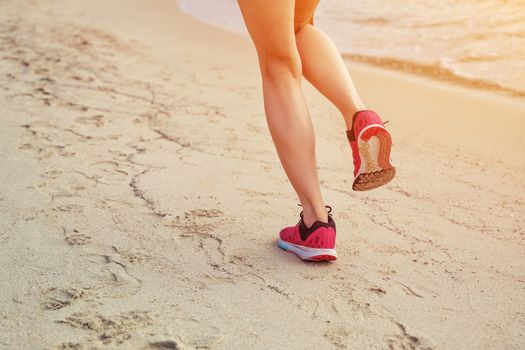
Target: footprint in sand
(69,208)
(163,345)
(131,256)
(52,174)
(202,337)
(75,238)
(48,151)
(41,123)
(113,329)
(377,290)
(404,340)
(68,346)
(114,278)
(108,167)
(208,213)
(78,239)
(56,298)
(96,120)
(338,336)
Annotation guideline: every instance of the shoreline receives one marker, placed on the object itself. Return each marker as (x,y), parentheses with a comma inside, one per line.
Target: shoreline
(141,196)
(435,72)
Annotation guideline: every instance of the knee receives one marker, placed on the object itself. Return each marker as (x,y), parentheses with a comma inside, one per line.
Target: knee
(280,65)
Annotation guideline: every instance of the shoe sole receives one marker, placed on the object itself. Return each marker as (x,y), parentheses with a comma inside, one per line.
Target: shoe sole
(307,253)
(374,143)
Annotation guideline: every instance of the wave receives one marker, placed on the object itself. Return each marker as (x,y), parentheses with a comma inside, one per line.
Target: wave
(434,71)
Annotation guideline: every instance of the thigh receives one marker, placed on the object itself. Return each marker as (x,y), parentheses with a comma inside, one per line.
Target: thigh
(271,25)
(304,13)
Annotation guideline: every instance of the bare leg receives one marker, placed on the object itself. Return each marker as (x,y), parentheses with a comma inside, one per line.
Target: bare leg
(271,27)
(324,67)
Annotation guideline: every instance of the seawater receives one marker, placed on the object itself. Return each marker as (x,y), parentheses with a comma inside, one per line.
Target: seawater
(480,43)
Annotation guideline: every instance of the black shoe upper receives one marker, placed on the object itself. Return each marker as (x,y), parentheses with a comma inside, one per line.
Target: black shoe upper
(305,231)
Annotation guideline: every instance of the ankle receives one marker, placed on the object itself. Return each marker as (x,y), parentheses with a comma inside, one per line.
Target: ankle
(349,116)
(312,214)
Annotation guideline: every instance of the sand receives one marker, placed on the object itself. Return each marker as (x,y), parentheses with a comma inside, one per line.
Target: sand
(141,198)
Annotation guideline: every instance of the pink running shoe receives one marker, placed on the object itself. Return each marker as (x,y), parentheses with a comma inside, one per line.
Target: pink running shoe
(314,243)
(370,143)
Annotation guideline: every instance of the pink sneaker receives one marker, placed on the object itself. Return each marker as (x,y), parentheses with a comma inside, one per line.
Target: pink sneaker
(370,143)
(314,243)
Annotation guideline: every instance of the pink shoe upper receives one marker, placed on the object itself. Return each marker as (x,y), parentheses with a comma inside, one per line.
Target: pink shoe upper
(320,235)
(360,120)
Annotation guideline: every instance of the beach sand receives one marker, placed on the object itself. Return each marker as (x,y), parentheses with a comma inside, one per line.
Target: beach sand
(141,197)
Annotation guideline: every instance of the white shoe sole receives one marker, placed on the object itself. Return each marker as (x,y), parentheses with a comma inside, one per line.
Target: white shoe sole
(376,168)
(307,253)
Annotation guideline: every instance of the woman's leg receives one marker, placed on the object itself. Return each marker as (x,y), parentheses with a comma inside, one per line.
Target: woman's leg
(324,67)
(271,27)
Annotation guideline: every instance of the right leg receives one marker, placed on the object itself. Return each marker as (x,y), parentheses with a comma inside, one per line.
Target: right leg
(271,27)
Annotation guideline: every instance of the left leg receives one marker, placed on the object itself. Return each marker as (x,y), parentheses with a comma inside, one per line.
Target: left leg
(325,69)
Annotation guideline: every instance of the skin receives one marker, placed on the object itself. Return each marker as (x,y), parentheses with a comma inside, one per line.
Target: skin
(286,53)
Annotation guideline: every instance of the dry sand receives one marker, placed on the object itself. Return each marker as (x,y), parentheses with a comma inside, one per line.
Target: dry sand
(141,198)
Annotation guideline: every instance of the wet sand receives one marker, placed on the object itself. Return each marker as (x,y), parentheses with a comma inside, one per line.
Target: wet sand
(141,198)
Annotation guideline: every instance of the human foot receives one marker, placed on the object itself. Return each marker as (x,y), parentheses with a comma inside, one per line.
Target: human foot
(371,144)
(314,243)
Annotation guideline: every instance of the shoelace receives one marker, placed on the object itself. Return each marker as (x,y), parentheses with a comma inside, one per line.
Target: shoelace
(326,206)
